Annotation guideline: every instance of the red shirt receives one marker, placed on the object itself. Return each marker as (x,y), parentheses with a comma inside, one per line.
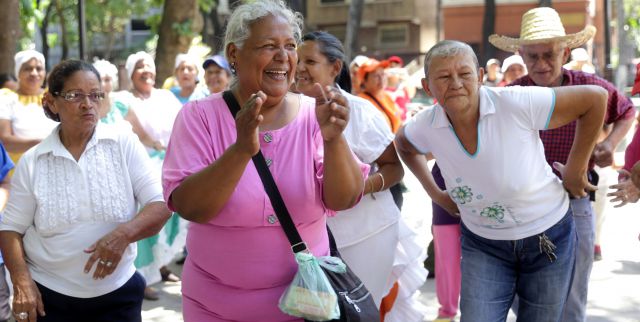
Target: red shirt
(557,142)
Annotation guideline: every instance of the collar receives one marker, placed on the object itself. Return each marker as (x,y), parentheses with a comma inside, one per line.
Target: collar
(52,143)
(487,107)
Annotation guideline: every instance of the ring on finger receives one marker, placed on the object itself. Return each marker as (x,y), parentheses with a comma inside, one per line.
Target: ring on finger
(102,262)
(22,315)
(109,263)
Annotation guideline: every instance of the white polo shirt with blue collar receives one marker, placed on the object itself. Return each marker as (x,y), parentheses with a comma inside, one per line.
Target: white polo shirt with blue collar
(505,190)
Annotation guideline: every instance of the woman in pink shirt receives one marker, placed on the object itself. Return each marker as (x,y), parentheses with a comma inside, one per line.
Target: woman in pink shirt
(240,261)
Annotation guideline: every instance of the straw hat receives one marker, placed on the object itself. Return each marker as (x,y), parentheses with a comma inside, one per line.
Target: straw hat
(542,25)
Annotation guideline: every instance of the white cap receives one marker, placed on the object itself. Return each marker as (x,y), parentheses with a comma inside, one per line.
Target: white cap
(106,68)
(133,59)
(358,61)
(579,54)
(513,59)
(187,58)
(25,56)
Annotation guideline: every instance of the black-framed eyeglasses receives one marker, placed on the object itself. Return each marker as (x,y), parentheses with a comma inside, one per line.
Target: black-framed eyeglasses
(78,96)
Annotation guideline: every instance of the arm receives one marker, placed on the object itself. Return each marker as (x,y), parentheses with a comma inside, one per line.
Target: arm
(603,151)
(389,167)
(137,128)
(343,182)
(201,196)
(110,247)
(417,163)
(586,104)
(26,297)
(4,192)
(13,143)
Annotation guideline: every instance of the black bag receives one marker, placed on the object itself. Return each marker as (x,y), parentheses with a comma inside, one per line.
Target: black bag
(355,302)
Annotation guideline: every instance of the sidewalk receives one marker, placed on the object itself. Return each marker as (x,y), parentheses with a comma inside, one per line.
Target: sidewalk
(614,289)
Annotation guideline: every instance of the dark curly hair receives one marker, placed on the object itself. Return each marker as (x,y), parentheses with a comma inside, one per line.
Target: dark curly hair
(59,75)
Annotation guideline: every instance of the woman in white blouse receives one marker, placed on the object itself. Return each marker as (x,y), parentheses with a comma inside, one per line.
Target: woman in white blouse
(371,237)
(68,232)
(22,120)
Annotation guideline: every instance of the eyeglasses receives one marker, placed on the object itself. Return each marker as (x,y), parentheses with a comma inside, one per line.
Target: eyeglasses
(78,96)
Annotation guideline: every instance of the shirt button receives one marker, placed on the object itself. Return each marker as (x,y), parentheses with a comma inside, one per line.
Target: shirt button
(268,138)
(272,219)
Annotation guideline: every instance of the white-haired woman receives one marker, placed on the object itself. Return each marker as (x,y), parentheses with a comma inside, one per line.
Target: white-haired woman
(156,109)
(240,261)
(23,123)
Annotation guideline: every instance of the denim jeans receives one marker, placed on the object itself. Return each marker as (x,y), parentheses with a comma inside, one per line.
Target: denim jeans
(494,271)
(583,215)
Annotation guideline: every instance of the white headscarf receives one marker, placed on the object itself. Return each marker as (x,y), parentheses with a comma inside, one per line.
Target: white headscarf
(25,56)
(105,68)
(135,58)
(188,58)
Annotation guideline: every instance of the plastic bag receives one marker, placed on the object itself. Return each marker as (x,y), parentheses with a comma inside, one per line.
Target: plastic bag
(310,295)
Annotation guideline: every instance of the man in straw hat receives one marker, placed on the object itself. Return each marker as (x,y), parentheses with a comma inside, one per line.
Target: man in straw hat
(545,47)
(518,233)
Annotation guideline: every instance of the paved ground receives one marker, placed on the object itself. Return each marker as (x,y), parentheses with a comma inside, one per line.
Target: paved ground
(614,287)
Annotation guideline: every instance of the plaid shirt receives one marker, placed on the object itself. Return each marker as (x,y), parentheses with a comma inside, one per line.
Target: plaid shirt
(557,142)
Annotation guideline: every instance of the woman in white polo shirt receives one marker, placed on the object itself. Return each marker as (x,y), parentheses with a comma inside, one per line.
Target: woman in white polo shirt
(518,235)
(68,232)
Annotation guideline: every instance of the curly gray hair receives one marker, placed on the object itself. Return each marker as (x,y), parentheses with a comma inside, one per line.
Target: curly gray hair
(246,14)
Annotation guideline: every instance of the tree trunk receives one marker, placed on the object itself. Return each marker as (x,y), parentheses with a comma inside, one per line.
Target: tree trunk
(353,25)
(44,30)
(544,3)
(9,34)
(63,29)
(111,37)
(488,28)
(172,39)
(625,48)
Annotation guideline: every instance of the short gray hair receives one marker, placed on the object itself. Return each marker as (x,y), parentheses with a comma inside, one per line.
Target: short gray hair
(243,16)
(448,48)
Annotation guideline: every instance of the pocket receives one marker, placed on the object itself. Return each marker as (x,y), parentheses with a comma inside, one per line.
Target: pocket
(581,207)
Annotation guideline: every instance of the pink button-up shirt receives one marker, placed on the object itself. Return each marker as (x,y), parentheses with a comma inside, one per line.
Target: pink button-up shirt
(240,262)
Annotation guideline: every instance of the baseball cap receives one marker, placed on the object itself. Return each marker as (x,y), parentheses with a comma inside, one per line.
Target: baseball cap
(218,60)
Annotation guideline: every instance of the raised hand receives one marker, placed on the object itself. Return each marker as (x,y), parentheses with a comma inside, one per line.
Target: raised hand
(248,120)
(575,183)
(332,111)
(624,191)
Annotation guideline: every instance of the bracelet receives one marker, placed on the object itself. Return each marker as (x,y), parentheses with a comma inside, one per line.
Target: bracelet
(381,178)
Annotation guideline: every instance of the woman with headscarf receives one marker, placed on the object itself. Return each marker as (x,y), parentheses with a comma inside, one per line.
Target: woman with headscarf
(22,120)
(113,111)
(186,75)
(156,109)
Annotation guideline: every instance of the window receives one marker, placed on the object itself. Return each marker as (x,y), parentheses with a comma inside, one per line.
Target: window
(393,35)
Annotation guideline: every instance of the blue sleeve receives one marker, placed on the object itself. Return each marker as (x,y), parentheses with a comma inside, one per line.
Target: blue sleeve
(5,162)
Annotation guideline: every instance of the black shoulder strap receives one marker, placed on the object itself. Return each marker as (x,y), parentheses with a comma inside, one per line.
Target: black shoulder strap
(297,245)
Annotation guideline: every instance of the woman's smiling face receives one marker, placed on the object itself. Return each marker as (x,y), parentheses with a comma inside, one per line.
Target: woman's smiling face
(267,60)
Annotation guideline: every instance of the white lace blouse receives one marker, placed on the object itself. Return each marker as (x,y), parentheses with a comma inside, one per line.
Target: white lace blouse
(63,206)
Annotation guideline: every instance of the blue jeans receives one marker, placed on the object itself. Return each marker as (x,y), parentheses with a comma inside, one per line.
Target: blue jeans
(583,215)
(494,271)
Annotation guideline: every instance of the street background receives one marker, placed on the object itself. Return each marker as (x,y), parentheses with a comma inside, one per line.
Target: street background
(614,289)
